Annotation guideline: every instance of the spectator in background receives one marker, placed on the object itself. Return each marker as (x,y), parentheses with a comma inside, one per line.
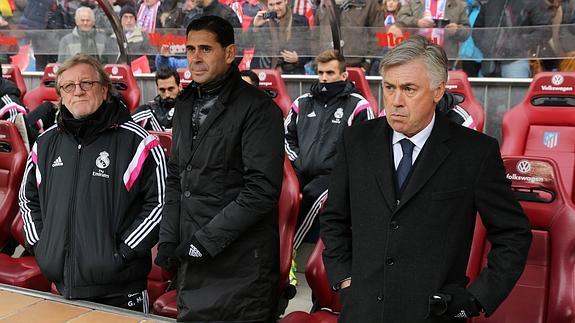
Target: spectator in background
(250,8)
(215,8)
(312,127)
(157,114)
(389,10)
(511,42)
(138,40)
(181,17)
(445,22)
(353,13)
(469,53)
(279,29)
(35,17)
(165,59)
(250,77)
(84,38)
(149,15)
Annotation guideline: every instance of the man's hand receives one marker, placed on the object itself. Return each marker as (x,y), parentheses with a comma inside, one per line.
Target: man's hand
(451,28)
(166,257)
(454,301)
(192,251)
(165,50)
(425,23)
(289,56)
(259,19)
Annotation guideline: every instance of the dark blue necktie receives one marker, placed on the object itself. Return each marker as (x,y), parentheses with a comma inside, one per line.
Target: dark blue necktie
(405,164)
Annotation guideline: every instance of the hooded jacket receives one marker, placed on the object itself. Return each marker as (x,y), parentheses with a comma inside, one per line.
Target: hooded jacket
(315,123)
(91,201)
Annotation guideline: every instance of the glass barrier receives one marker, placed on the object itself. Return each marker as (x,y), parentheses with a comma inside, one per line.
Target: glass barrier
(502,44)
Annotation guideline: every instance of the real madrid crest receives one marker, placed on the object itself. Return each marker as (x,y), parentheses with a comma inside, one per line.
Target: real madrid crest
(338,114)
(103,161)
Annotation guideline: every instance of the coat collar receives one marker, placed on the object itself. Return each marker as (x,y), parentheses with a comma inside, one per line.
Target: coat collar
(430,158)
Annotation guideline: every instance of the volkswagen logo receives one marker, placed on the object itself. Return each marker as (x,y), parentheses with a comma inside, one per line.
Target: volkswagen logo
(523,166)
(557,79)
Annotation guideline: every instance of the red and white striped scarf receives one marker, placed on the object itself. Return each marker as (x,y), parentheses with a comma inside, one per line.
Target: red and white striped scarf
(147,17)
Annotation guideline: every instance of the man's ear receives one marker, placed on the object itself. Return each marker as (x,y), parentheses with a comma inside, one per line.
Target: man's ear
(344,76)
(438,92)
(230,53)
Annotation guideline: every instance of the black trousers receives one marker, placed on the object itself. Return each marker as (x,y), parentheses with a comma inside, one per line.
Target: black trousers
(133,301)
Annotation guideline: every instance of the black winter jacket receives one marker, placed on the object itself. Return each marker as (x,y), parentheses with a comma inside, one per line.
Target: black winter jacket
(313,127)
(154,115)
(91,201)
(224,192)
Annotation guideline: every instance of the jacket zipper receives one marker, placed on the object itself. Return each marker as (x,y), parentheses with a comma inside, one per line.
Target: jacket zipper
(71,223)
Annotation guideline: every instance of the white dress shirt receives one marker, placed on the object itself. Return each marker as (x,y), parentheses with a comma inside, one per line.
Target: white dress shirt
(418,140)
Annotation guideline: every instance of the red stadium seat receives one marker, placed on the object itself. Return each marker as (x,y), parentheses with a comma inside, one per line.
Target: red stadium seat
(165,140)
(13,156)
(288,209)
(12,73)
(125,83)
(271,81)
(326,304)
(544,292)
(459,85)
(357,76)
(46,91)
(185,77)
(158,279)
(543,123)
(23,271)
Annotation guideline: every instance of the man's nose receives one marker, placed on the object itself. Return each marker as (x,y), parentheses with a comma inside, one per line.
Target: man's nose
(398,98)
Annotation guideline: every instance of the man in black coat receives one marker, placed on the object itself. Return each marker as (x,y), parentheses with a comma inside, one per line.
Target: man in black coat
(403,199)
(224,180)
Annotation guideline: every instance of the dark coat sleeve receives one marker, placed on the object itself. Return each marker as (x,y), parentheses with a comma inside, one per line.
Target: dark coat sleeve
(335,221)
(262,157)
(170,226)
(508,231)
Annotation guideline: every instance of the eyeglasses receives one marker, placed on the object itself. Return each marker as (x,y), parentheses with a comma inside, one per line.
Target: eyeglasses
(84,85)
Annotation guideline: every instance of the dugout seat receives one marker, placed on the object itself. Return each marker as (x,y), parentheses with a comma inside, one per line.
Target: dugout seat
(185,77)
(543,124)
(288,208)
(459,85)
(46,91)
(271,81)
(165,138)
(23,271)
(326,305)
(125,83)
(544,292)
(12,72)
(13,155)
(357,76)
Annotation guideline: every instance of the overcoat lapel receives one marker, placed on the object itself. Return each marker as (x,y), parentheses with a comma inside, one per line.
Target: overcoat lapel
(381,162)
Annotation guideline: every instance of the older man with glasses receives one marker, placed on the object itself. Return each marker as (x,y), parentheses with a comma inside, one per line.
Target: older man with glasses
(93,193)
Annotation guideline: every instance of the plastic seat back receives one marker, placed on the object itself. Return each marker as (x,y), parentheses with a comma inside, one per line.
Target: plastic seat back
(543,123)
(13,155)
(165,138)
(12,72)
(125,83)
(544,292)
(459,85)
(46,91)
(288,209)
(185,77)
(271,81)
(357,76)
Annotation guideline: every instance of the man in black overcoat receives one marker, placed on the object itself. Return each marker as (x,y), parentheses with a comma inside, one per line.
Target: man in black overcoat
(403,199)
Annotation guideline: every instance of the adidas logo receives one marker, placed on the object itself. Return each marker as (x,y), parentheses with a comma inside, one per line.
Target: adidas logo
(58,162)
(323,89)
(311,115)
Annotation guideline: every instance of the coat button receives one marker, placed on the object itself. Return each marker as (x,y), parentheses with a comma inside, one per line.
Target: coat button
(389,261)
(394,225)
(189,168)
(187,194)
(379,298)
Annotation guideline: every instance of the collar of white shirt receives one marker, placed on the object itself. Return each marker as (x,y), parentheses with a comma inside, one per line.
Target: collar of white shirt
(418,140)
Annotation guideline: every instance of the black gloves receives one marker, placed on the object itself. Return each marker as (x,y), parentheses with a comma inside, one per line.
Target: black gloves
(454,301)
(192,251)
(166,257)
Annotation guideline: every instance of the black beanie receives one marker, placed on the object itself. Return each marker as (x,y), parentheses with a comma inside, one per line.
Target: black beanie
(128,9)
